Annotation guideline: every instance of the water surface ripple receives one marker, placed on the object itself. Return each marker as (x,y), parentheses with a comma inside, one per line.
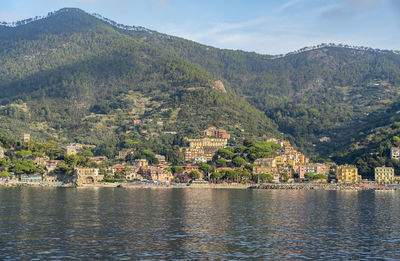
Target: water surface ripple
(182,224)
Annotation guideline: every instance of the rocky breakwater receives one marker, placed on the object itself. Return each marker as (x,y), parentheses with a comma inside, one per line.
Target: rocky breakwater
(321,187)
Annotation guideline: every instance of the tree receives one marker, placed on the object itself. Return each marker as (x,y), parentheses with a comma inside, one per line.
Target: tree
(4,174)
(216,175)
(309,175)
(226,154)
(174,155)
(396,139)
(176,169)
(52,149)
(320,176)
(194,175)
(71,160)
(129,143)
(24,153)
(86,153)
(64,169)
(105,150)
(146,154)
(231,149)
(231,174)
(240,149)
(4,163)
(25,167)
(243,174)
(249,167)
(265,177)
(206,169)
(7,142)
(221,162)
(239,161)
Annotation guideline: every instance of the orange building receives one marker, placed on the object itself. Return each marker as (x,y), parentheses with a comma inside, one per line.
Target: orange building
(156,174)
(214,132)
(136,122)
(189,168)
(193,153)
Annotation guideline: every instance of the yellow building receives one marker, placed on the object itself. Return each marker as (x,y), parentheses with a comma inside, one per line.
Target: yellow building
(292,163)
(140,163)
(208,142)
(303,159)
(265,170)
(347,174)
(384,175)
(87,176)
(25,137)
(280,160)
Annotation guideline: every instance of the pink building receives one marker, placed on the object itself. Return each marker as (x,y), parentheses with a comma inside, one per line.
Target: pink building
(315,168)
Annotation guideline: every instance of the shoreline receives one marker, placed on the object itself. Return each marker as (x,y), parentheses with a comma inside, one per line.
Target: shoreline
(357,187)
(353,187)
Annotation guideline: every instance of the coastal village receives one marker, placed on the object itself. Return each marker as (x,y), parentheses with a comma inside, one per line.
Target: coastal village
(207,160)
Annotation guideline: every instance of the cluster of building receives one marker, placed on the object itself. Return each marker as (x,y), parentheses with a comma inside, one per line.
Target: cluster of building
(288,163)
(139,169)
(385,175)
(285,164)
(281,167)
(203,149)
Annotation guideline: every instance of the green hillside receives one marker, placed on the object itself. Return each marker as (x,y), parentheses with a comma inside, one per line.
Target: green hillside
(328,90)
(71,76)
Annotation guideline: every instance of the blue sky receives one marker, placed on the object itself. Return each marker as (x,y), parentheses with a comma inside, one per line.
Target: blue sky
(263,26)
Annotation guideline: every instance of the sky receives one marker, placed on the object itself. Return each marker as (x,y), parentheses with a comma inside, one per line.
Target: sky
(262,26)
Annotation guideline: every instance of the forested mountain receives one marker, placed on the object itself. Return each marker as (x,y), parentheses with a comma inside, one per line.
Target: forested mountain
(72,76)
(325,91)
(79,76)
(330,90)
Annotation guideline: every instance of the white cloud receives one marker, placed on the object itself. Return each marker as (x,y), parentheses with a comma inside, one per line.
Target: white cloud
(217,29)
(288,5)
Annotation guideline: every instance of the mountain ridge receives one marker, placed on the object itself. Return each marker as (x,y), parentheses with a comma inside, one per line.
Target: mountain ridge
(144,29)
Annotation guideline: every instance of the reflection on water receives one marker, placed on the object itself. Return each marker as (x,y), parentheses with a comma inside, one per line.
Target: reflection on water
(112,223)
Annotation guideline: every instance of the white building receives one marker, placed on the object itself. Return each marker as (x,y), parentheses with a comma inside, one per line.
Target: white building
(200,159)
(395,153)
